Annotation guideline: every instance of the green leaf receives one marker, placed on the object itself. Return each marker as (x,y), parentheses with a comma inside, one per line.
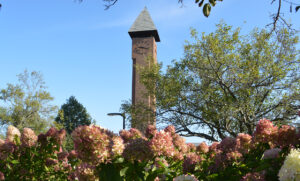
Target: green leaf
(197,1)
(297,8)
(109,172)
(123,171)
(206,9)
(15,162)
(201,3)
(212,2)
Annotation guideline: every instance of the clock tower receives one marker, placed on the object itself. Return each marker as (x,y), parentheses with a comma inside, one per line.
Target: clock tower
(144,36)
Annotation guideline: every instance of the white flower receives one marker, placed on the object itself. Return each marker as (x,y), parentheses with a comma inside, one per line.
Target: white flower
(290,169)
(12,132)
(185,178)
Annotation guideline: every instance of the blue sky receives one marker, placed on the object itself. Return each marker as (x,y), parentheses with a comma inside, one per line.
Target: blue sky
(85,51)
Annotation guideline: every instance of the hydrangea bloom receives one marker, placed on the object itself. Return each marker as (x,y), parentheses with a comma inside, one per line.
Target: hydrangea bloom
(243,142)
(290,169)
(72,154)
(118,146)
(179,143)
(150,131)
(286,136)
(6,149)
(2,176)
(191,147)
(228,144)
(170,129)
(185,178)
(161,144)
(92,144)
(202,148)
(137,149)
(271,153)
(28,137)
(57,135)
(1,142)
(131,134)
(253,177)
(51,161)
(11,133)
(86,172)
(190,162)
(62,156)
(265,131)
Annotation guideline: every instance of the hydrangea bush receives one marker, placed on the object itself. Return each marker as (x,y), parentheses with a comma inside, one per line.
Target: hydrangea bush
(271,153)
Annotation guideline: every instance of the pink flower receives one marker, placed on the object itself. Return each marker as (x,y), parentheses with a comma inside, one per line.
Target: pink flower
(2,176)
(265,131)
(243,142)
(191,147)
(28,137)
(57,136)
(72,154)
(92,144)
(62,156)
(6,149)
(179,143)
(161,144)
(202,148)
(150,131)
(51,161)
(170,129)
(11,133)
(137,149)
(1,142)
(118,146)
(233,156)
(131,134)
(190,162)
(228,144)
(253,177)
(213,146)
(286,136)
(85,172)
(161,160)
(271,153)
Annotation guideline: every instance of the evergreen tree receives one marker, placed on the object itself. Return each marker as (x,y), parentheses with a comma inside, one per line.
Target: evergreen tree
(73,114)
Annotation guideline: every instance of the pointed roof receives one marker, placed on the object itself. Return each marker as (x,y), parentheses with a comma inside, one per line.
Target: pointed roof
(143,26)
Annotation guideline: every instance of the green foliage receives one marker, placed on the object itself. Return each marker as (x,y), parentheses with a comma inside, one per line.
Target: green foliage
(227,81)
(73,114)
(26,104)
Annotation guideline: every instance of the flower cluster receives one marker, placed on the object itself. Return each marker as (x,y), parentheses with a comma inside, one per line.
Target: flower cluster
(265,131)
(28,137)
(161,144)
(92,144)
(290,169)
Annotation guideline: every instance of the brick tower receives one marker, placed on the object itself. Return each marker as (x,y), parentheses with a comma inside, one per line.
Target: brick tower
(144,36)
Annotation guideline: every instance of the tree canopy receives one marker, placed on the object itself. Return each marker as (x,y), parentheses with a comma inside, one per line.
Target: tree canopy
(226,82)
(73,114)
(27,104)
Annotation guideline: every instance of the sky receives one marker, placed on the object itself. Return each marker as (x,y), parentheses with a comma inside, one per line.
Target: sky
(85,51)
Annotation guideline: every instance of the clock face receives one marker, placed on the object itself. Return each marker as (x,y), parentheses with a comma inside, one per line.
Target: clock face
(141,47)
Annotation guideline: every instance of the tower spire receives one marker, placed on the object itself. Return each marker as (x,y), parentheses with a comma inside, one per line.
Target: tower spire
(143,26)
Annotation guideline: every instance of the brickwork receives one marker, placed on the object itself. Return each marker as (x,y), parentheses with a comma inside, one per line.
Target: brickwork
(143,53)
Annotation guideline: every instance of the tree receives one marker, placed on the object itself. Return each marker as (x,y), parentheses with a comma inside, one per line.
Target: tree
(27,104)
(226,82)
(72,114)
(207,5)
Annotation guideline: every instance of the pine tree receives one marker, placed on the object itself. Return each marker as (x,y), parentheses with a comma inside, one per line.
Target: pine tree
(73,114)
